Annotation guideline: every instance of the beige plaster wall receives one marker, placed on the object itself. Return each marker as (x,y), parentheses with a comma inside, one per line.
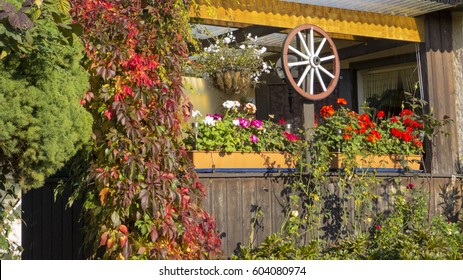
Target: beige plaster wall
(206,98)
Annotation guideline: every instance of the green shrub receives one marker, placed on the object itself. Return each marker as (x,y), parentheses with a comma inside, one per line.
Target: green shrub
(42,123)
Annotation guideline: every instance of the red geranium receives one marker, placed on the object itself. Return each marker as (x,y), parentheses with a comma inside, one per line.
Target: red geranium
(407,137)
(364,118)
(370,138)
(291,137)
(375,134)
(380,114)
(341,101)
(417,143)
(327,111)
(396,132)
(406,112)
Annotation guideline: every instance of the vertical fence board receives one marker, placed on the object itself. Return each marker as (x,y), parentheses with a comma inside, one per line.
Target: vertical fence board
(36,225)
(219,209)
(234,211)
(278,201)
(47,202)
(57,233)
(264,201)
(248,206)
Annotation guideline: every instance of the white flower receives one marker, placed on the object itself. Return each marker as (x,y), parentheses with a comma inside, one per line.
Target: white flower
(236,122)
(209,120)
(242,47)
(229,104)
(195,113)
(294,213)
(226,40)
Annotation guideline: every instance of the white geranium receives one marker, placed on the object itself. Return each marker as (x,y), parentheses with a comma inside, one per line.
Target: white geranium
(209,120)
(229,104)
(196,113)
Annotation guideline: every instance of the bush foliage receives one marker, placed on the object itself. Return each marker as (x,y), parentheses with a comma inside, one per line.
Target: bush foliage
(42,123)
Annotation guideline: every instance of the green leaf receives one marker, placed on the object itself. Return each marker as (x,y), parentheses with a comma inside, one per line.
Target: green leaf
(63,6)
(29,38)
(115,218)
(36,14)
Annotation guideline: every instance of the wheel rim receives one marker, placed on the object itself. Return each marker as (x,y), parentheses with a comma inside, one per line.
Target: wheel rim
(317,62)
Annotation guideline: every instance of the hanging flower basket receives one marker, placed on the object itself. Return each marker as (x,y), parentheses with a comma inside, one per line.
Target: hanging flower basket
(232,82)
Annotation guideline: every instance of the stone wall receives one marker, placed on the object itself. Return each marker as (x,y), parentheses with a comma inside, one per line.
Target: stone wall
(458,67)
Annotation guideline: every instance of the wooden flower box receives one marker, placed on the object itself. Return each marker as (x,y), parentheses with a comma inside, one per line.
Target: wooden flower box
(382,163)
(207,162)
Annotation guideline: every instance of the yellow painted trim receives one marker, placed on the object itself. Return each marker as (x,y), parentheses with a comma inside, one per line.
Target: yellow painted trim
(289,15)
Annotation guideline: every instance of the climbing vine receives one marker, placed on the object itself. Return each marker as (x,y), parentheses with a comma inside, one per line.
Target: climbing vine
(143,198)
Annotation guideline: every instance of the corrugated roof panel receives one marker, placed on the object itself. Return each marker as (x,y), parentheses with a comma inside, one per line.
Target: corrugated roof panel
(395,7)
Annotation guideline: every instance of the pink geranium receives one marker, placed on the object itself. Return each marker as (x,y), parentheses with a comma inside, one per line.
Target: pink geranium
(244,122)
(253,138)
(256,123)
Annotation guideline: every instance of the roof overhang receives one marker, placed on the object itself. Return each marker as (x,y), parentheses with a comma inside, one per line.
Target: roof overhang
(364,18)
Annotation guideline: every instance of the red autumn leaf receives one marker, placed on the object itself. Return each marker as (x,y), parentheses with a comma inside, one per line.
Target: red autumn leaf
(110,243)
(123,240)
(123,229)
(104,238)
(103,194)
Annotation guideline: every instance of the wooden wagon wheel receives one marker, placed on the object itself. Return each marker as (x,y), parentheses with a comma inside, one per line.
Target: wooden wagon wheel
(317,62)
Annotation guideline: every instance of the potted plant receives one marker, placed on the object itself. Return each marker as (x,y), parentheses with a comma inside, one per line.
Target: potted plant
(236,141)
(372,139)
(231,66)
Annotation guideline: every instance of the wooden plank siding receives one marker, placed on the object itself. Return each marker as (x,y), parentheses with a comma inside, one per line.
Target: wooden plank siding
(52,231)
(245,194)
(437,58)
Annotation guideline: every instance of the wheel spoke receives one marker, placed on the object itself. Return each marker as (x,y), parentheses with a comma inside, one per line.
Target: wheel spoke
(311,80)
(320,79)
(320,47)
(311,41)
(298,52)
(298,63)
(327,58)
(326,72)
(304,45)
(304,74)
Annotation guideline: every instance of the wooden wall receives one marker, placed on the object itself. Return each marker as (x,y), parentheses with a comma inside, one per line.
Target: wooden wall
(437,58)
(52,231)
(232,200)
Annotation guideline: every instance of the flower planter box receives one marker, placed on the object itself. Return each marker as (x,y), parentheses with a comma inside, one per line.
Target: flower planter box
(207,162)
(382,163)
